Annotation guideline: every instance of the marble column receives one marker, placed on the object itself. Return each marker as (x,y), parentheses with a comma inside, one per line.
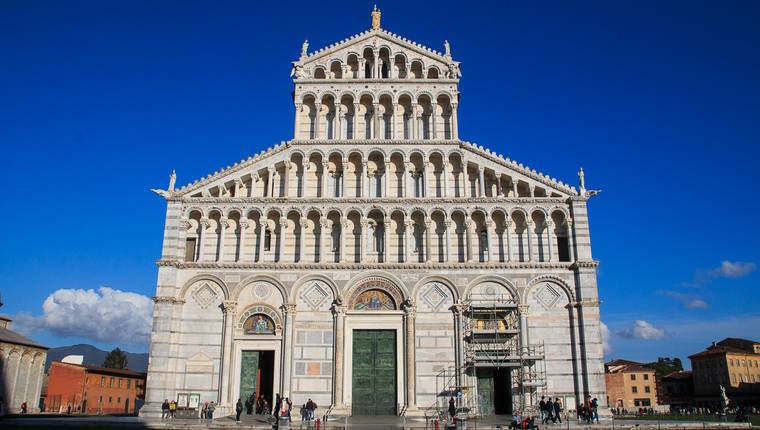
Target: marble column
(276,246)
(323,226)
(317,119)
(447,238)
(363,240)
(414,122)
(223,224)
(323,179)
(514,188)
(262,238)
(225,385)
(428,239)
(305,178)
(355,121)
(289,310)
(338,127)
(508,233)
(241,244)
(345,225)
(445,177)
(375,121)
(549,226)
(468,239)
(434,120)
(339,315)
(184,225)
(529,231)
(363,178)
(570,245)
(404,180)
(385,247)
(297,122)
(454,122)
(481,182)
(408,230)
(384,187)
(489,240)
(410,315)
(202,240)
(459,359)
(302,241)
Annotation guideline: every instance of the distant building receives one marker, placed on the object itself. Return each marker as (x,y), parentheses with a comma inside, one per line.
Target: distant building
(22,365)
(676,389)
(733,363)
(94,390)
(630,385)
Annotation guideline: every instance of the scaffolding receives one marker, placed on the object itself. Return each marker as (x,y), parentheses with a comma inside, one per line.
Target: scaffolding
(493,338)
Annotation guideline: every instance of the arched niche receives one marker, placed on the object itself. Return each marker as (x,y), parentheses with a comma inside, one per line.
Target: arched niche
(250,322)
(376,294)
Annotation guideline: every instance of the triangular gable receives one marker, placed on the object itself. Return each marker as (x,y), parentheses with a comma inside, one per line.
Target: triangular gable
(358,39)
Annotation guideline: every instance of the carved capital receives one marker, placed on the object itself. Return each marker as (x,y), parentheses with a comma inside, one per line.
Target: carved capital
(338,309)
(229,306)
(224,222)
(523,309)
(288,309)
(204,223)
(244,224)
(184,224)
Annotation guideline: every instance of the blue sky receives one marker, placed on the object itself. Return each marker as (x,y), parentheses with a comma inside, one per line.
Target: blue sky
(658,101)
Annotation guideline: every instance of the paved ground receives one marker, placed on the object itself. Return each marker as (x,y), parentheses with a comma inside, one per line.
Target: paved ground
(370,423)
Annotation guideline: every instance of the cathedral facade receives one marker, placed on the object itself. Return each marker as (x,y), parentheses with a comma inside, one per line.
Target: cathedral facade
(376,263)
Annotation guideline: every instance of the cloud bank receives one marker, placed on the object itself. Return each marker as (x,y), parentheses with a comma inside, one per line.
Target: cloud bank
(690,301)
(105,315)
(727,269)
(606,347)
(642,330)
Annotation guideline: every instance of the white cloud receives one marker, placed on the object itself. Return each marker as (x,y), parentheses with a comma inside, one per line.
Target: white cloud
(606,347)
(736,269)
(642,330)
(105,315)
(727,269)
(690,301)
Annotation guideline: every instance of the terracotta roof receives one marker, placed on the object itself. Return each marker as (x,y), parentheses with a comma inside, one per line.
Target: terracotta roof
(719,350)
(619,366)
(110,371)
(678,374)
(10,336)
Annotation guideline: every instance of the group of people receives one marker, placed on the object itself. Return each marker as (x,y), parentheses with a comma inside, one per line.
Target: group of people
(588,411)
(168,409)
(550,410)
(520,423)
(307,411)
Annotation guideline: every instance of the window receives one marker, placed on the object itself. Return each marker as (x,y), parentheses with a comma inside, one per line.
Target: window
(647,389)
(190,245)
(101,399)
(118,400)
(731,362)
(267,240)
(733,378)
(110,400)
(110,382)
(634,389)
(563,248)
(102,381)
(642,402)
(121,381)
(129,384)
(633,376)
(646,376)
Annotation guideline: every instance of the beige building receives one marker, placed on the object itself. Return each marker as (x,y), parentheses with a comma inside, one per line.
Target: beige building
(376,262)
(22,367)
(732,363)
(630,385)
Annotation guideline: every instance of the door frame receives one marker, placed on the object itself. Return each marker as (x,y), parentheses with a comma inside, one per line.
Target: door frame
(241,345)
(374,320)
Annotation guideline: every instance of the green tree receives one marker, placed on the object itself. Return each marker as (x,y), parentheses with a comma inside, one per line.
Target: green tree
(665,365)
(116,359)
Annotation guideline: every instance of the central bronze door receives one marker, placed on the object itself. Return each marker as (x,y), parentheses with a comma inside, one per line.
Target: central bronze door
(374,372)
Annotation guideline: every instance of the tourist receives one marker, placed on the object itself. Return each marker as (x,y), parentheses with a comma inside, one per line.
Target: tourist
(204,411)
(557,409)
(516,420)
(595,410)
(172,409)
(23,408)
(452,407)
(311,406)
(165,409)
(238,410)
(277,405)
(211,408)
(249,404)
(304,413)
(265,407)
(285,409)
(542,409)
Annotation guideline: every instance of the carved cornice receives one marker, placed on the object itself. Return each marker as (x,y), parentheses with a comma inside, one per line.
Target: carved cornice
(585,264)
(375,200)
(586,303)
(167,299)
(360,266)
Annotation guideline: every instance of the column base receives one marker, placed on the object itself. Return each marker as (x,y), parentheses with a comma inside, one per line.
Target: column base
(414,411)
(150,410)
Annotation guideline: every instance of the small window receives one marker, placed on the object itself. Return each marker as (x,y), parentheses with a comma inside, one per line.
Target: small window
(647,389)
(646,376)
(110,382)
(563,248)
(129,384)
(110,400)
(190,246)
(118,400)
(102,381)
(101,399)
(633,376)
(634,389)
(267,240)
(121,382)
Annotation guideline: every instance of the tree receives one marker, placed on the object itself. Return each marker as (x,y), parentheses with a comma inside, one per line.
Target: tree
(116,359)
(665,365)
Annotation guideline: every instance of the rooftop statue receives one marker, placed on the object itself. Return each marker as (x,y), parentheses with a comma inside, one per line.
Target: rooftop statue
(375,18)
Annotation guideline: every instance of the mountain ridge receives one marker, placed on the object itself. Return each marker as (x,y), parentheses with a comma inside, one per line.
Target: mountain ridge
(137,361)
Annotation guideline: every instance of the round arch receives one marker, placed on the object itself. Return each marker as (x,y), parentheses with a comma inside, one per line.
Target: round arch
(204,277)
(265,278)
(553,279)
(496,279)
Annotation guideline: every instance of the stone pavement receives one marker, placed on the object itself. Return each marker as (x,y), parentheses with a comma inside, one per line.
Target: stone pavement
(370,423)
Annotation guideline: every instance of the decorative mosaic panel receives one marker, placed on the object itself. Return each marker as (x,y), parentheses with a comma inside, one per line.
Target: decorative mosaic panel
(262,290)
(378,284)
(547,296)
(434,296)
(204,295)
(315,295)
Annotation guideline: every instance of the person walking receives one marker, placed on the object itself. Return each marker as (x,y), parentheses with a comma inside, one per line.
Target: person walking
(452,407)
(542,409)
(211,408)
(304,414)
(557,409)
(311,406)
(285,409)
(165,409)
(23,408)
(595,410)
(276,406)
(238,410)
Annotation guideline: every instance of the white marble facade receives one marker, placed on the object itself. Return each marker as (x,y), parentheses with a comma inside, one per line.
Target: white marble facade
(375,188)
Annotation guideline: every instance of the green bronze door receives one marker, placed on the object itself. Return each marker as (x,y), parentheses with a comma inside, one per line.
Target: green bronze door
(249,372)
(374,372)
(485,391)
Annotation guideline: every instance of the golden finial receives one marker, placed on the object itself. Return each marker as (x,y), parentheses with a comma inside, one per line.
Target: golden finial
(375,18)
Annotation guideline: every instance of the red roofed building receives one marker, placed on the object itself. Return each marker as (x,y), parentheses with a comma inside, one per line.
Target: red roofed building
(94,390)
